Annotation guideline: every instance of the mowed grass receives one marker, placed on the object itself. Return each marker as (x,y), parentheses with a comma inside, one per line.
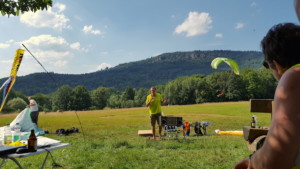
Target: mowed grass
(109,138)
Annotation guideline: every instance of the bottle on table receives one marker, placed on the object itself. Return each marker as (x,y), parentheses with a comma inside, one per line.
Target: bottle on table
(2,136)
(253,122)
(16,133)
(7,135)
(32,142)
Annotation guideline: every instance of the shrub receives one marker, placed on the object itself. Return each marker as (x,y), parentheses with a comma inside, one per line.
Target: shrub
(16,104)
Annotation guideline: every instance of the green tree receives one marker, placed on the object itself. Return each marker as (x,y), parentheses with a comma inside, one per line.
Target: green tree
(203,92)
(140,97)
(129,93)
(17,104)
(81,99)
(127,103)
(114,101)
(99,97)
(254,85)
(218,83)
(235,89)
(14,7)
(43,101)
(61,98)
(22,96)
(269,83)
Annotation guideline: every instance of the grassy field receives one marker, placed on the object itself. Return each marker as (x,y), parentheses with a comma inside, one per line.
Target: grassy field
(110,138)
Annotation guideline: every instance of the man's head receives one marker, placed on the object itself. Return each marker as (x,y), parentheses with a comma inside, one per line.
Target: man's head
(153,91)
(29,98)
(281,47)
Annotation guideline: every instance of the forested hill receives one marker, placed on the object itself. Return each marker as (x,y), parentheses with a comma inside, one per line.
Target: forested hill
(140,74)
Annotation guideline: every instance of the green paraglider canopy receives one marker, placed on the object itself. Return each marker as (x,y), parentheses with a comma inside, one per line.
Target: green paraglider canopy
(234,66)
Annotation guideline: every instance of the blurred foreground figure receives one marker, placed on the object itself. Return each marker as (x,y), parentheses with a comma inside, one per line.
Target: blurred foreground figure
(297,8)
(281,49)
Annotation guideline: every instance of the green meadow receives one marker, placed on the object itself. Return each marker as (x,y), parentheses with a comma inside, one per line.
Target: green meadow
(109,139)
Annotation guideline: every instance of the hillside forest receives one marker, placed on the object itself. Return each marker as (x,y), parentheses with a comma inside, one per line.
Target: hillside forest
(194,89)
(158,70)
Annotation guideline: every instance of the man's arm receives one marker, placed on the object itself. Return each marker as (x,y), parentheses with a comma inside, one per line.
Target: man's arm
(148,101)
(164,101)
(283,140)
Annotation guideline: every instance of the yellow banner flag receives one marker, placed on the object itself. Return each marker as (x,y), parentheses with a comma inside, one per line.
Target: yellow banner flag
(8,84)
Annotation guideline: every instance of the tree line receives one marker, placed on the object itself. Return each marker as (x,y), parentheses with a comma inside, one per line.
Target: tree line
(195,89)
(137,74)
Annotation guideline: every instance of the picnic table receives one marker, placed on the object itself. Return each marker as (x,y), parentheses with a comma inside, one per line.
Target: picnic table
(14,156)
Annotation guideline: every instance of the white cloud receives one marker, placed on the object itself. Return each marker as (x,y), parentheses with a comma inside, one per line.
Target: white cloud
(47,18)
(6,61)
(239,25)
(219,35)
(253,4)
(10,41)
(60,63)
(89,30)
(195,24)
(4,45)
(7,44)
(47,41)
(60,7)
(75,45)
(49,48)
(103,66)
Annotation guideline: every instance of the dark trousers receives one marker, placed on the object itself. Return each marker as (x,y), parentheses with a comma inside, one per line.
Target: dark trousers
(34,116)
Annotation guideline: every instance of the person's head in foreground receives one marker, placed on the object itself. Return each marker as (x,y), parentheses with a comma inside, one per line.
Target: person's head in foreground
(281,48)
(280,150)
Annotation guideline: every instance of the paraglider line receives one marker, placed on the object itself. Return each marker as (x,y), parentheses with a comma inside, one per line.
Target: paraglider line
(41,65)
(80,126)
(57,86)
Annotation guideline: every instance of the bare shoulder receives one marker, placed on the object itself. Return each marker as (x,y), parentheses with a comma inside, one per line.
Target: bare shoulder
(290,80)
(287,94)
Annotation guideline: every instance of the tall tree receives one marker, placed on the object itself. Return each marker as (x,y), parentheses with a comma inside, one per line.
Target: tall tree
(17,104)
(140,97)
(99,97)
(14,7)
(61,98)
(81,99)
(129,93)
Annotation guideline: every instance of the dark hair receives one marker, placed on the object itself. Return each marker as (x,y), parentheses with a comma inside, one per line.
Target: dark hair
(282,44)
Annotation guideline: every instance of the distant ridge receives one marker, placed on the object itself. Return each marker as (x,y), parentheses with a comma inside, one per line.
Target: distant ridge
(140,74)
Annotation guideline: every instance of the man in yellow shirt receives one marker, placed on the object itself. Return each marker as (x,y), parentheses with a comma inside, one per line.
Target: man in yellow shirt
(154,101)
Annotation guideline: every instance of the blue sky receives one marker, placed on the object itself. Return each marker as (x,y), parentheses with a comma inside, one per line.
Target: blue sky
(83,36)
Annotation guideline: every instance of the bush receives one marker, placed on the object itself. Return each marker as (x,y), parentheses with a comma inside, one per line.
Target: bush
(17,104)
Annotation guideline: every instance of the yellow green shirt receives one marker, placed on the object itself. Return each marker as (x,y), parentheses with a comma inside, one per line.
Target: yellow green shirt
(155,105)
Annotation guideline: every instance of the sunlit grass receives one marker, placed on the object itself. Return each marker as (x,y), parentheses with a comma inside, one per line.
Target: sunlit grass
(110,138)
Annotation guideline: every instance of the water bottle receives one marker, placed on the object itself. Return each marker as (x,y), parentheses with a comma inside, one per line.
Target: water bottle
(17,133)
(1,136)
(7,135)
